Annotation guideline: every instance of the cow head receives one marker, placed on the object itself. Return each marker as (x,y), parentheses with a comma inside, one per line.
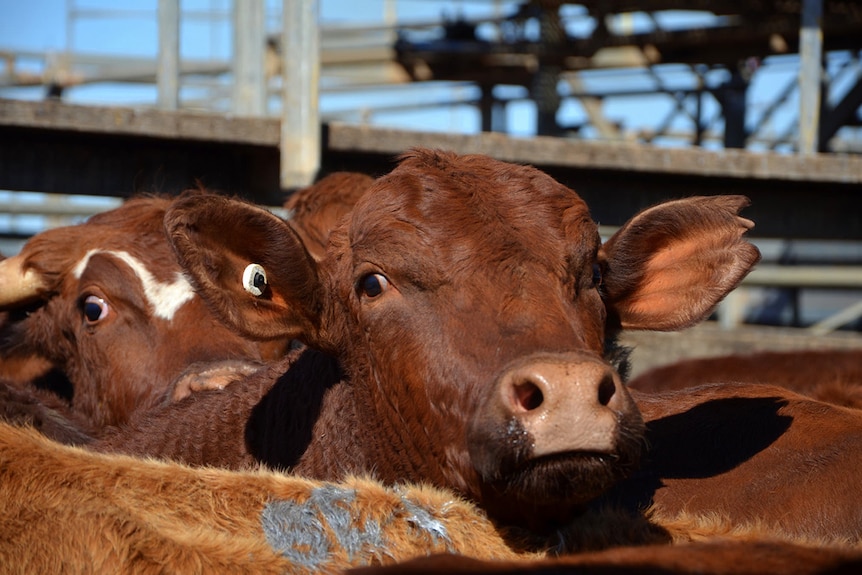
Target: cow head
(314,210)
(469,301)
(108,305)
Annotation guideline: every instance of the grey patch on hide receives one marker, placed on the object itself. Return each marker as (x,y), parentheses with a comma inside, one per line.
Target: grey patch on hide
(299,530)
(295,531)
(422,520)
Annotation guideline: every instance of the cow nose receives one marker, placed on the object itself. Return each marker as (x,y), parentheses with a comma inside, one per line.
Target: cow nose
(565,404)
(529,386)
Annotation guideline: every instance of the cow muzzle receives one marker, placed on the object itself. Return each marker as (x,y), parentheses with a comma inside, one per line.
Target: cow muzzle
(550,406)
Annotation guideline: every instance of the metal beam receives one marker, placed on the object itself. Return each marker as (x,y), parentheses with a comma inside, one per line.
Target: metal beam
(592,105)
(168,71)
(833,322)
(300,116)
(841,114)
(249,86)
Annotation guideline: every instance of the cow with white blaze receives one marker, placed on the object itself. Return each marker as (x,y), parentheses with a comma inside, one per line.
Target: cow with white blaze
(107,305)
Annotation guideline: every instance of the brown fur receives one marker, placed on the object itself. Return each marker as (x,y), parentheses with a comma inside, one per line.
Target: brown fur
(315,210)
(399,400)
(155,517)
(488,273)
(23,404)
(832,375)
(68,510)
(127,361)
(755,453)
(713,558)
(23,368)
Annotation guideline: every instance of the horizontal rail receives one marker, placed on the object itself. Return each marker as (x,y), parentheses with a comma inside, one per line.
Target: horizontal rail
(809,276)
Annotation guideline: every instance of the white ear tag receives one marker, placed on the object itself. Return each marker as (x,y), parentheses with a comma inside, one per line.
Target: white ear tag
(254,279)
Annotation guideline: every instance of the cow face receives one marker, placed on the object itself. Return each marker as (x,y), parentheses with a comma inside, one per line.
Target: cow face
(113,311)
(468,301)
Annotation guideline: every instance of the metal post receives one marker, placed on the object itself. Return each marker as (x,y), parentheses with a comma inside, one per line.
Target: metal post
(810,71)
(300,118)
(732,99)
(544,86)
(493,112)
(168,72)
(249,89)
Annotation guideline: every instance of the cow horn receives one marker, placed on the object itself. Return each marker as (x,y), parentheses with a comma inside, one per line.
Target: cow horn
(17,285)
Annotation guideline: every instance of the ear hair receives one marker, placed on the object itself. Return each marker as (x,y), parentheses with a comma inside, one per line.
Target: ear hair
(217,238)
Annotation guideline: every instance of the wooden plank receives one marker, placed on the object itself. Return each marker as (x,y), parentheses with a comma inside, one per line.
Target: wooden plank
(168,71)
(540,151)
(249,80)
(810,75)
(53,147)
(544,151)
(300,114)
(834,277)
(138,122)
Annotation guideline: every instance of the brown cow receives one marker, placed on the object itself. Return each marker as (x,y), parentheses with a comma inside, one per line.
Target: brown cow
(458,322)
(70,510)
(315,210)
(751,454)
(24,404)
(64,509)
(833,375)
(710,558)
(106,303)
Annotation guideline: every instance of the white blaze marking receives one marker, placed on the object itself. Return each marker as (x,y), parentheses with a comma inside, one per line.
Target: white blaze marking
(165,299)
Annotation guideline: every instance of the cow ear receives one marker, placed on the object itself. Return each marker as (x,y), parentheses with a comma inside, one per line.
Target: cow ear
(247,264)
(670,265)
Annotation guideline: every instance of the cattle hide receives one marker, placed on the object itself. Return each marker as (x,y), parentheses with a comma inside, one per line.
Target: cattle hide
(832,375)
(315,210)
(66,509)
(713,558)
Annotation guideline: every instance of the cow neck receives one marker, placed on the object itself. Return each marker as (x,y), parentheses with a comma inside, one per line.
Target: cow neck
(316,423)
(402,450)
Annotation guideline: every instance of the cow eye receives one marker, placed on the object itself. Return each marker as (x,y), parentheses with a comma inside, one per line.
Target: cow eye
(95,309)
(597,275)
(373,285)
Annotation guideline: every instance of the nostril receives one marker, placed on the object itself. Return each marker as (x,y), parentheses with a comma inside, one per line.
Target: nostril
(528,396)
(607,389)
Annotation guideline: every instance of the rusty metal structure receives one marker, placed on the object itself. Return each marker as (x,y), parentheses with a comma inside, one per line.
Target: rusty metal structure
(540,48)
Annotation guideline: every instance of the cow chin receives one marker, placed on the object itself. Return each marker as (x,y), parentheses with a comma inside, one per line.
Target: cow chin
(518,483)
(548,493)
(566,479)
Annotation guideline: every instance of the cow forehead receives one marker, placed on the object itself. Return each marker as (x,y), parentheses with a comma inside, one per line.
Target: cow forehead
(471,208)
(165,298)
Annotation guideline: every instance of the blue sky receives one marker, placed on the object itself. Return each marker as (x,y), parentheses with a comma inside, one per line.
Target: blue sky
(41,26)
